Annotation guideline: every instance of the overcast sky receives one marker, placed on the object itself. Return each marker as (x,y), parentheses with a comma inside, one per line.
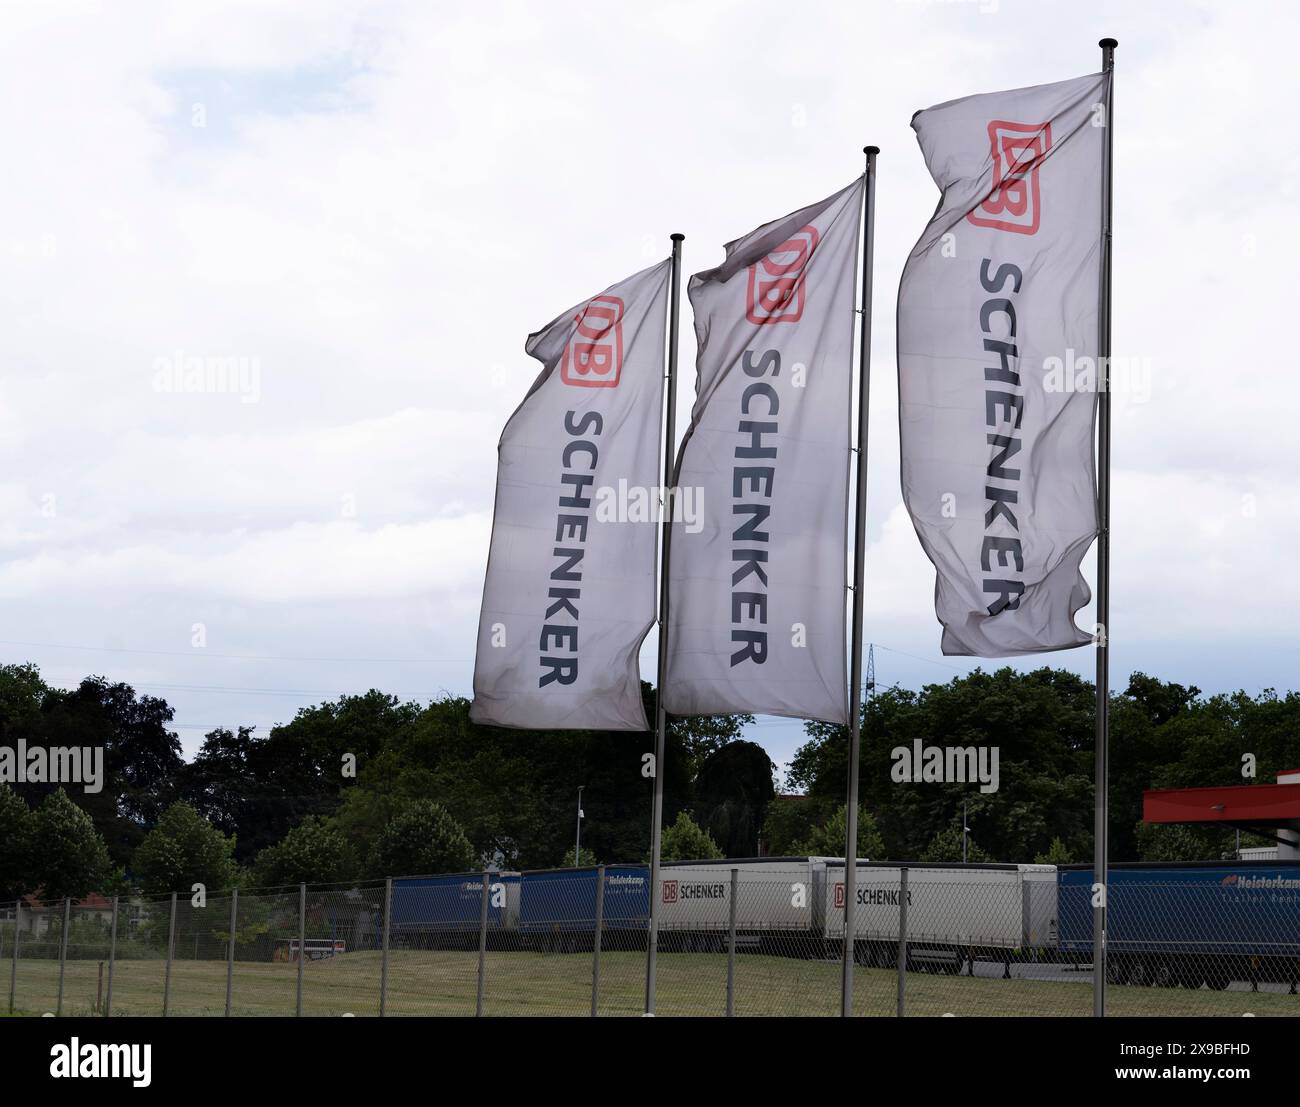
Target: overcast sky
(374,204)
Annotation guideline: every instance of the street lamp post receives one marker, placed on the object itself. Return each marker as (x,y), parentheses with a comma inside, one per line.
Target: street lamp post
(577,841)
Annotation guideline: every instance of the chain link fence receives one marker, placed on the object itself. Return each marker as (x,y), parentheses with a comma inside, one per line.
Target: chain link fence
(760,937)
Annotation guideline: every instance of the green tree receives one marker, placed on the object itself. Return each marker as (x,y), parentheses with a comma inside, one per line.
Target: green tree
(388,785)
(1161,842)
(515,792)
(1042,725)
(686,841)
(21,692)
(142,755)
(946,847)
(68,856)
(1057,854)
(313,852)
(828,839)
(586,859)
(421,839)
(790,819)
(732,794)
(181,850)
(15,845)
(697,737)
(258,788)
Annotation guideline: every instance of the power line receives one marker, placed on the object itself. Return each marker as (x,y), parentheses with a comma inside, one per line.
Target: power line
(927,660)
(203,652)
(230,690)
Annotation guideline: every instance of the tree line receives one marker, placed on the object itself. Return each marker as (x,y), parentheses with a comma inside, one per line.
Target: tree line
(368,786)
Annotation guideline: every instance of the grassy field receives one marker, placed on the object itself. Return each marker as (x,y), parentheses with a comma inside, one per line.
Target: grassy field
(439,983)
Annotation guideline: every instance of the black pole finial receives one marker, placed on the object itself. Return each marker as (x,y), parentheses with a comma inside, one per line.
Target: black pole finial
(871,149)
(677,236)
(1108,43)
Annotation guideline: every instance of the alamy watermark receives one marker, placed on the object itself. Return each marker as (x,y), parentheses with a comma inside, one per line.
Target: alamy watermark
(922,764)
(1129,375)
(22,763)
(102,1060)
(227,374)
(633,503)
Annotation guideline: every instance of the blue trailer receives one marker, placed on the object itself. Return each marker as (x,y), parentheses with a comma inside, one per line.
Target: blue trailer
(557,908)
(443,912)
(1190,923)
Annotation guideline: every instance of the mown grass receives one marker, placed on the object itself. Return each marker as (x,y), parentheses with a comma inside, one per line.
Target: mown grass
(518,983)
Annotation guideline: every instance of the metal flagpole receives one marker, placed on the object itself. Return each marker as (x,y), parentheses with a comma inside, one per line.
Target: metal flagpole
(859,552)
(661,717)
(1102,788)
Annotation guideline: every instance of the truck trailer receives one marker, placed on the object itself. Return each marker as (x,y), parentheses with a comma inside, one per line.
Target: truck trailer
(1189,923)
(558,908)
(956,914)
(443,912)
(777,909)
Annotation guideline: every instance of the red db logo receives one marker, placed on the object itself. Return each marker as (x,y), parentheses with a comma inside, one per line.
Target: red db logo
(777,289)
(594,356)
(839,896)
(670,891)
(1018,150)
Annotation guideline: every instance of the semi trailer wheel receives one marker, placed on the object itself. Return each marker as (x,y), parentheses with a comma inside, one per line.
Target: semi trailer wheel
(1117,970)
(1163,975)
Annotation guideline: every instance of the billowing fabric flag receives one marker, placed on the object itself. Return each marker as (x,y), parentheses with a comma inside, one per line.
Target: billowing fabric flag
(570,590)
(757,570)
(997,347)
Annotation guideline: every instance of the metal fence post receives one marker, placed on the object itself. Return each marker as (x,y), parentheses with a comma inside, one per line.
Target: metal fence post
(13,969)
(383,964)
(230,948)
(171,942)
(731,945)
(595,940)
(63,950)
(902,939)
(482,943)
(112,960)
(302,942)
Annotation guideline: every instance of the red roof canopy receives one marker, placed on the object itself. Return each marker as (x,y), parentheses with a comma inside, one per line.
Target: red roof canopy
(1253,804)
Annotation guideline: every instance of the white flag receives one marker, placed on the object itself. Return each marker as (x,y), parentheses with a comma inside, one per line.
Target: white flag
(757,580)
(570,590)
(997,347)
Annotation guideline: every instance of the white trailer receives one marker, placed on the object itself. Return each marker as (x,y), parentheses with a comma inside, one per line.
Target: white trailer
(777,907)
(953,912)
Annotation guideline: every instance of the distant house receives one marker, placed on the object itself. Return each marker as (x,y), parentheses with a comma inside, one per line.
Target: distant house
(38,916)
